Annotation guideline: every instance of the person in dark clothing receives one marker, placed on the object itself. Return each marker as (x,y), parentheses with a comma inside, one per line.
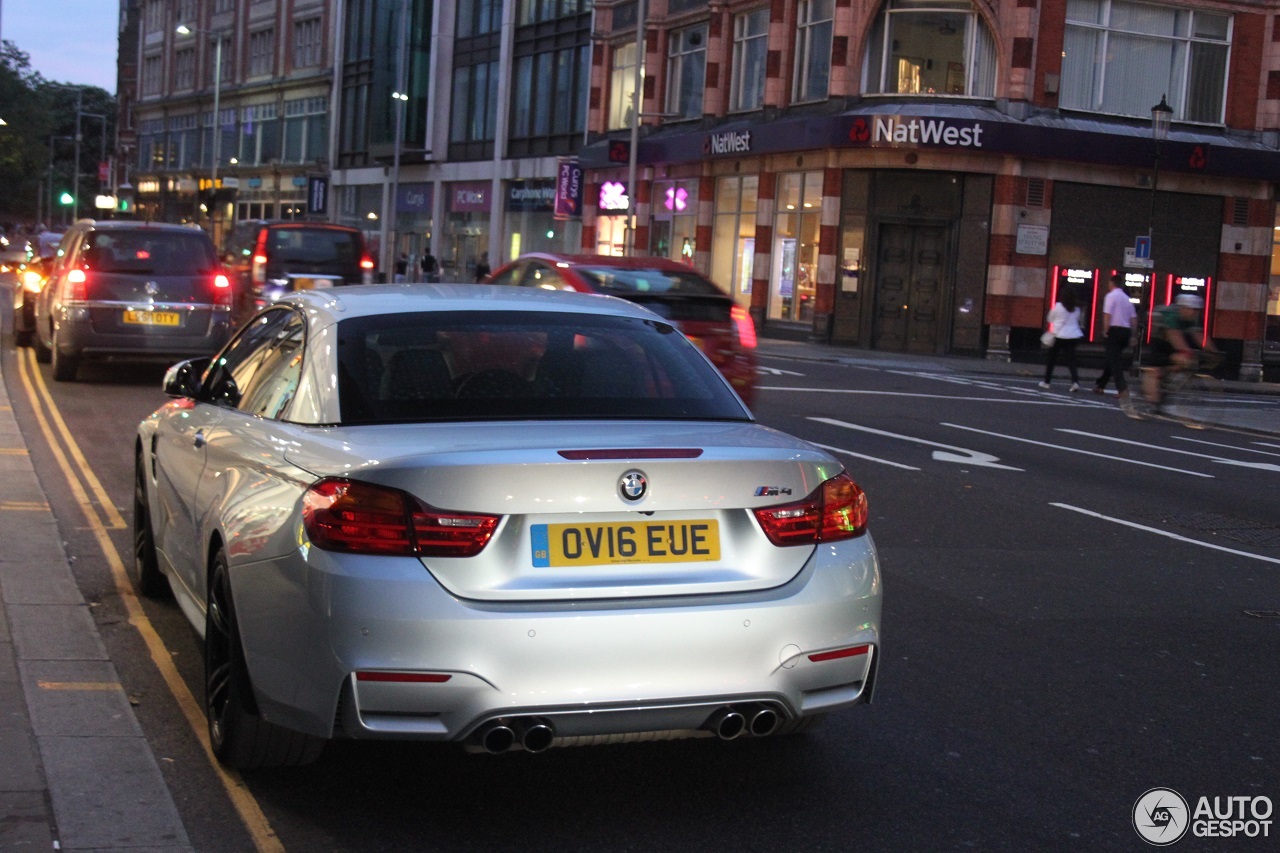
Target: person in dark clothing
(430,267)
(482,267)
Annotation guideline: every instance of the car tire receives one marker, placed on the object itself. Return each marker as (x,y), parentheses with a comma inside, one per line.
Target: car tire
(44,355)
(146,566)
(240,738)
(64,366)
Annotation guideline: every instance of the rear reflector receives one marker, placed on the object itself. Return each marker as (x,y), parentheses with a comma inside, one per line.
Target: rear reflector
(835,510)
(405,677)
(851,652)
(634,453)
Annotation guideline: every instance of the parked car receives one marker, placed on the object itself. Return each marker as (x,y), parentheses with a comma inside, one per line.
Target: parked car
(500,518)
(267,259)
(704,312)
(132,289)
(32,276)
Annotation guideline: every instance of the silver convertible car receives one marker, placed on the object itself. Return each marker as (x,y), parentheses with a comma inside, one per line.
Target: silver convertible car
(502,518)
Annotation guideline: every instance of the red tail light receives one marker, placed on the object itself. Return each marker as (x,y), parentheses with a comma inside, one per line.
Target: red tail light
(836,510)
(259,271)
(366,263)
(221,290)
(746,328)
(79,281)
(361,518)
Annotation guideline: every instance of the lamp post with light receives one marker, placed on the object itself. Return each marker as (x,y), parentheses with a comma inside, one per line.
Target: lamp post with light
(1161,118)
(184,30)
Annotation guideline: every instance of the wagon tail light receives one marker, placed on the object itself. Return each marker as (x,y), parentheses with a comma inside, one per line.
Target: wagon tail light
(835,510)
(259,270)
(362,518)
(366,263)
(743,324)
(221,290)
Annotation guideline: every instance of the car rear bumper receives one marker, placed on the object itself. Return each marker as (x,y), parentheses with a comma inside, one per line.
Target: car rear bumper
(591,670)
(78,336)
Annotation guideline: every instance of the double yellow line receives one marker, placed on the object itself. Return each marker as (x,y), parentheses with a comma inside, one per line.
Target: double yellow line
(102,517)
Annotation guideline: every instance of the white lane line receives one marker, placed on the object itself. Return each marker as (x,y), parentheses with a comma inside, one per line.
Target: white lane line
(949,452)
(1165,533)
(863,391)
(1260,466)
(1265,444)
(1077,450)
(1226,446)
(863,456)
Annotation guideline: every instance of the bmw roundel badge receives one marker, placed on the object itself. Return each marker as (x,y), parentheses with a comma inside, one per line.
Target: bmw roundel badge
(633,485)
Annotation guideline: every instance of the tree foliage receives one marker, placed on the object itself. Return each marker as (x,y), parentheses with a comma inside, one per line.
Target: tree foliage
(38,138)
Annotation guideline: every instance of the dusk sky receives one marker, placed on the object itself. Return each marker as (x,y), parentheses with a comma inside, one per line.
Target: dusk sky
(69,41)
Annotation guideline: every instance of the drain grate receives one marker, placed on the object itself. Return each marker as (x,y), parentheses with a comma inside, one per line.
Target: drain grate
(1243,530)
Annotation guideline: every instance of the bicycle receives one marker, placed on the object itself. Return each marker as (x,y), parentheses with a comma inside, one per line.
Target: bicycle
(1192,395)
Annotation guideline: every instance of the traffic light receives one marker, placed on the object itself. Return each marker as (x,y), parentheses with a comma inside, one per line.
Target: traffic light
(66,199)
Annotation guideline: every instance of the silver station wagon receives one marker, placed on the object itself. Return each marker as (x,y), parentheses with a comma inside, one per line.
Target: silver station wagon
(501,518)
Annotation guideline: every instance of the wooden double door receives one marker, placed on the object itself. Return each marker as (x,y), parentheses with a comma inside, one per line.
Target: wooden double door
(910,288)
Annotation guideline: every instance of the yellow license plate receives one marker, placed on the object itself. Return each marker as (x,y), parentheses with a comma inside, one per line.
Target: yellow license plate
(624,542)
(153,318)
(312,283)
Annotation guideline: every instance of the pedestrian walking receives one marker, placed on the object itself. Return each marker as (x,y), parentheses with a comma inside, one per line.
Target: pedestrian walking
(430,267)
(1064,325)
(402,268)
(1118,321)
(482,267)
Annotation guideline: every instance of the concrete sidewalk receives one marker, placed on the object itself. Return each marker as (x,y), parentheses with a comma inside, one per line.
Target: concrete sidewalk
(1248,405)
(76,772)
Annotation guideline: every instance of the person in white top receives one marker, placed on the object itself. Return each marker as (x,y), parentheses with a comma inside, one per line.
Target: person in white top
(1118,320)
(1064,322)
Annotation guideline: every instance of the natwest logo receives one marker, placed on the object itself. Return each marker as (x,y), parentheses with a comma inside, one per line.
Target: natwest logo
(729,142)
(915,131)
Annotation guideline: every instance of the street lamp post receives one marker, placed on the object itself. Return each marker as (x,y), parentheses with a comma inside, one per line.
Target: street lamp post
(391,250)
(1161,118)
(184,30)
(637,104)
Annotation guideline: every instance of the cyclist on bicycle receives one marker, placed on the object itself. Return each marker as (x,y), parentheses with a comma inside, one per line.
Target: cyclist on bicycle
(1177,333)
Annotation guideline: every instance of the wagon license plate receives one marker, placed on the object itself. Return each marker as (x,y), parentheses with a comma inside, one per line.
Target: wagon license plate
(152,318)
(312,283)
(625,542)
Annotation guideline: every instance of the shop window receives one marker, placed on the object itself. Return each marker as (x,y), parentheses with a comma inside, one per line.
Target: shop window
(622,86)
(797,227)
(673,231)
(1271,343)
(733,240)
(936,47)
(750,45)
(1122,57)
(814,20)
(686,71)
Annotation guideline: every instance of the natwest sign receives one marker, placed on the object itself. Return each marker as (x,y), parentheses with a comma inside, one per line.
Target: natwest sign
(728,142)
(897,130)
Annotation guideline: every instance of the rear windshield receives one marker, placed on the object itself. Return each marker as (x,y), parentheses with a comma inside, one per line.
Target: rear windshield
(498,365)
(150,252)
(625,282)
(314,246)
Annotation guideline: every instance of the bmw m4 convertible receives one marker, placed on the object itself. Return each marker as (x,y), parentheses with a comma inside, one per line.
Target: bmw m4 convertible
(507,519)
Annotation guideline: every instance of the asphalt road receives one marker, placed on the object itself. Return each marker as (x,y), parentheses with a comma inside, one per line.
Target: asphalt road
(1067,624)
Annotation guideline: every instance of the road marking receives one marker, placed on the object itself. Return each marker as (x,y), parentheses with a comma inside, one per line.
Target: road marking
(1265,444)
(863,456)
(1077,450)
(256,823)
(79,685)
(1260,466)
(1226,446)
(949,452)
(23,506)
(947,397)
(776,371)
(1165,533)
(22,451)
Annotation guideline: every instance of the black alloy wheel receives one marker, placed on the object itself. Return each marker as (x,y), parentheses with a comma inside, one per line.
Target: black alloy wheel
(239,736)
(64,366)
(146,566)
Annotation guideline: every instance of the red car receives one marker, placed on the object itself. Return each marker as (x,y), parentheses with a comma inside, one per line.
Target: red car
(696,305)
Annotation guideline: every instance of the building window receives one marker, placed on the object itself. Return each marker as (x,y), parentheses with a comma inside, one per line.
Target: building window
(814,20)
(475,98)
(151,67)
(220,6)
(478,17)
(733,241)
(187,12)
(533,11)
(184,69)
(1122,57)
(549,99)
(306,129)
(939,47)
(686,72)
(750,44)
(151,144)
(226,59)
(259,134)
(261,52)
(184,141)
(306,43)
(622,85)
(154,21)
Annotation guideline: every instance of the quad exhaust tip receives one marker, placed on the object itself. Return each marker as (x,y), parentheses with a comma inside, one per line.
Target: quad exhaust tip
(531,733)
(729,723)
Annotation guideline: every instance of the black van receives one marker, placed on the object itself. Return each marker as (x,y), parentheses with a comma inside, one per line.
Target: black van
(267,259)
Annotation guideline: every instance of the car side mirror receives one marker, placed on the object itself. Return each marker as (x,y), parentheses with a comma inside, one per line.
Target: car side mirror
(183,379)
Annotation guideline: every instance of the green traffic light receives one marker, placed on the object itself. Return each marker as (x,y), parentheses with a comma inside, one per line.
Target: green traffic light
(65,198)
